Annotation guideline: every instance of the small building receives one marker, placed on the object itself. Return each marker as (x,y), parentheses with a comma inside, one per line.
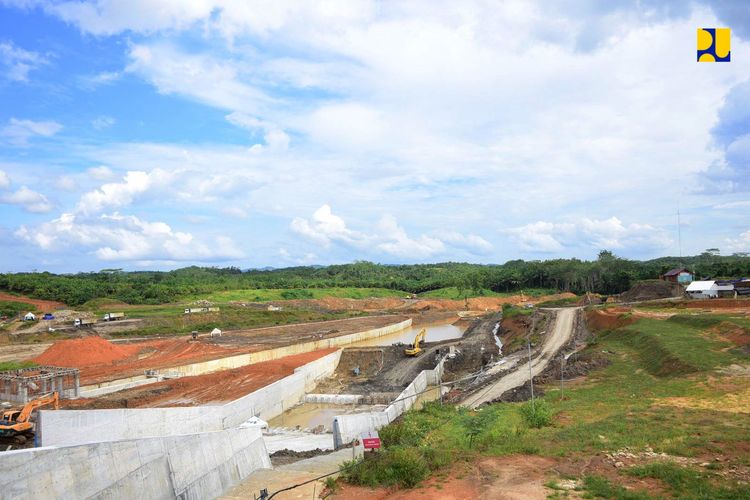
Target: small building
(677,275)
(703,290)
(30,316)
(216,332)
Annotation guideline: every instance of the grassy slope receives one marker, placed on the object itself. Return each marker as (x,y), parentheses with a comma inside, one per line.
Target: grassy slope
(8,308)
(453,293)
(268,294)
(618,406)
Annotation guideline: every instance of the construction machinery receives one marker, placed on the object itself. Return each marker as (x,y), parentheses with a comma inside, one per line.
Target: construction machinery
(17,423)
(414,349)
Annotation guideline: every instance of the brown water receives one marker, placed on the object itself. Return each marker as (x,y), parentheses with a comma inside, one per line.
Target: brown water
(310,415)
(434,333)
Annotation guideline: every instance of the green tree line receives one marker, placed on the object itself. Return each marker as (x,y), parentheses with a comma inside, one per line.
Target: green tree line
(608,274)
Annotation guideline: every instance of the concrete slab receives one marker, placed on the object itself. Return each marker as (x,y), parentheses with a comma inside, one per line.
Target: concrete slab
(290,474)
(297,441)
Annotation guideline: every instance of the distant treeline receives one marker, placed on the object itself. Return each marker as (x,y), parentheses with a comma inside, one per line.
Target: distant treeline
(608,274)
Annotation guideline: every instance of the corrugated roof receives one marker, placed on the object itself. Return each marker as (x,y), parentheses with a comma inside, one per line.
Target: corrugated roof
(675,271)
(697,286)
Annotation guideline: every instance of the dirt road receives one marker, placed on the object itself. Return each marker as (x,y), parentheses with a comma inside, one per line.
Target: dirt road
(561,333)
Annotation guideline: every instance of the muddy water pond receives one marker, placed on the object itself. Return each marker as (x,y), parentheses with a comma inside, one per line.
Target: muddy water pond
(434,333)
(311,415)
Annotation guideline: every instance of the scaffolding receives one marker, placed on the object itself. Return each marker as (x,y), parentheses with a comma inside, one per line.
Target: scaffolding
(26,384)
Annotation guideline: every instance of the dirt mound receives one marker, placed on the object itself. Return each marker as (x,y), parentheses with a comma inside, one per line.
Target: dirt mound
(41,305)
(651,290)
(78,353)
(608,319)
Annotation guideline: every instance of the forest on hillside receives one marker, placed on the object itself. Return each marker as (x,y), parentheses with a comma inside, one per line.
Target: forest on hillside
(608,274)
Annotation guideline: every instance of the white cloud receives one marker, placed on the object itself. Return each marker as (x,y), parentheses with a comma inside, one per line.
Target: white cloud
(739,244)
(236,212)
(398,243)
(102,122)
(18,62)
(100,173)
(275,138)
(116,194)
(4,180)
(100,79)
(200,77)
(388,236)
(29,200)
(18,132)
(325,227)
(118,237)
(587,233)
(66,183)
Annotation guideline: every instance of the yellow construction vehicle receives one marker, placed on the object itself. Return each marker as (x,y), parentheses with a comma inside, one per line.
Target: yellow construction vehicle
(414,349)
(17,423)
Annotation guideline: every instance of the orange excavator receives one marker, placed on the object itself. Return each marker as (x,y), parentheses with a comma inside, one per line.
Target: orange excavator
(17,423)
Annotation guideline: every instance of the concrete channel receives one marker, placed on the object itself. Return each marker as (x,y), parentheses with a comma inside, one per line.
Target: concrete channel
(203,452)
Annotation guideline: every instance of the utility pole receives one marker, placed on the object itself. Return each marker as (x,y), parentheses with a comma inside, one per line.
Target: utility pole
(679,233)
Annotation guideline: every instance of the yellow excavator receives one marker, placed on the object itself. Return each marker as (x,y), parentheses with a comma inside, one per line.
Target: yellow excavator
(414,349)
(17,423)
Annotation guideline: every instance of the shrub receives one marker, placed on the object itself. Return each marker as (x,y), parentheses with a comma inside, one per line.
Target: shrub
(405,467)
(537,414)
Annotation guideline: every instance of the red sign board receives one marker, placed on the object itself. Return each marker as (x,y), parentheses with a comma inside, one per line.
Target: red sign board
(371,443)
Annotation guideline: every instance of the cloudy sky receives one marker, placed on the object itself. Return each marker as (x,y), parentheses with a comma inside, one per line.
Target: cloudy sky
(162,133)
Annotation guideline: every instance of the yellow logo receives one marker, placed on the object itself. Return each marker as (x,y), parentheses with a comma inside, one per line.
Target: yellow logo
(713,45)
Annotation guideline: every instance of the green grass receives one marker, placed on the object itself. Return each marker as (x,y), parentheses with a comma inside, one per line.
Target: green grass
(617,407)
(601,487)
(157,321)
(456,294)
(10,309)
(275,294)
(15,365)
(685,482)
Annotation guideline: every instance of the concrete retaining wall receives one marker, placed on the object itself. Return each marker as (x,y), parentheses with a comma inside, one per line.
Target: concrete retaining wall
(192,466)
(274,399)
(241,360)
(347,428)
(73,427)
(280,352)
(334,399)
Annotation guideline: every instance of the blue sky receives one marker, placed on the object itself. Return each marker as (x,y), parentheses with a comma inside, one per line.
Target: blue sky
(154,134)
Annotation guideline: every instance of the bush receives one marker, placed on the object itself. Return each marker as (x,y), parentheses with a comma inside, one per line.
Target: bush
(537,414)
(405,467)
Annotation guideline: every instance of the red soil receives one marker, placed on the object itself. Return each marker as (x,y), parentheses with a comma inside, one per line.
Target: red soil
(719,304)
(78,353)
(219,387)
(608,319)
(41,305)
(100,360)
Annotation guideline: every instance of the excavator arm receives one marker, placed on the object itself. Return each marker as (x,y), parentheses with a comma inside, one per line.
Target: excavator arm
(415,350)
(29,407)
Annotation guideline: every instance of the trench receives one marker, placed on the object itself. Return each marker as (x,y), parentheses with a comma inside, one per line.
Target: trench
(434,333)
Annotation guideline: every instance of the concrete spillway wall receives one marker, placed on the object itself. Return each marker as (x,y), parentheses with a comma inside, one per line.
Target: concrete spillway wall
(347,428)
(241,360)
(72,427)
(195,466)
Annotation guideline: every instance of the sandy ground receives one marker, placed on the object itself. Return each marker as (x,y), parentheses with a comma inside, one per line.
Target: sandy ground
(562,332)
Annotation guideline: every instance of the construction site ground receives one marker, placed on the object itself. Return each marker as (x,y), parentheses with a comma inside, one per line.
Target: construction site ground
(104,361)
(387,370)
(213,388)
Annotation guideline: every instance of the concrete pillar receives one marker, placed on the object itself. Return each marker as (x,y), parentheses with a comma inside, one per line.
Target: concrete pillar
(23,392)
(78,386)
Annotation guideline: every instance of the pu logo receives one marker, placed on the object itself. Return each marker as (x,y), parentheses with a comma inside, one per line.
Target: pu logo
(713,45)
